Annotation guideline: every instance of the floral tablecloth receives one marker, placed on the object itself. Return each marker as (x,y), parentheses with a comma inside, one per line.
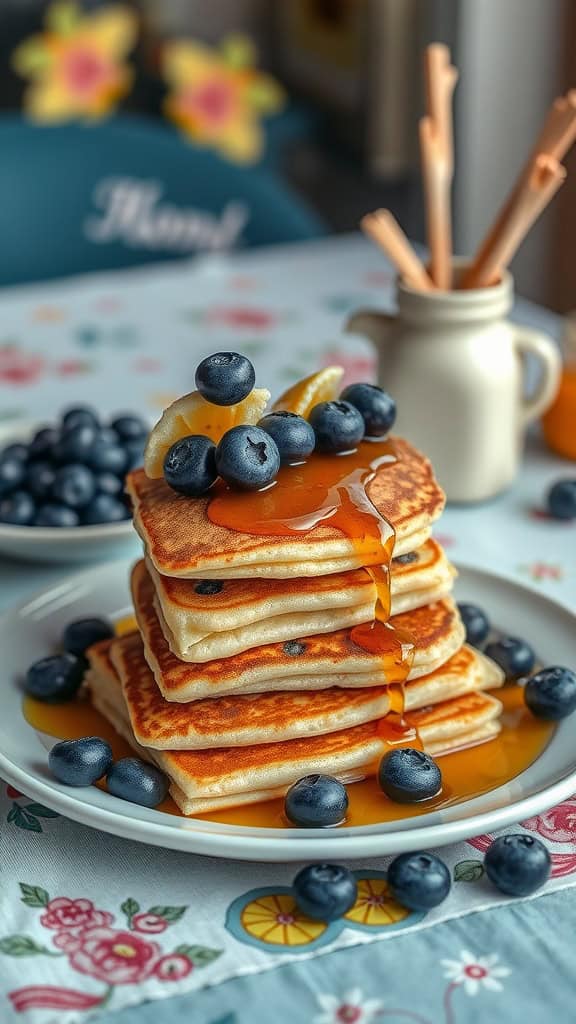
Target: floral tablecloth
(92,925)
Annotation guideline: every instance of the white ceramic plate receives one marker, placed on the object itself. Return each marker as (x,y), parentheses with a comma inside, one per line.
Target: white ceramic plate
(28,632)
(61,544)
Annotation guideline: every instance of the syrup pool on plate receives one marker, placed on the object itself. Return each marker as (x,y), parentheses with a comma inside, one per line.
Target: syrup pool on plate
(466,773)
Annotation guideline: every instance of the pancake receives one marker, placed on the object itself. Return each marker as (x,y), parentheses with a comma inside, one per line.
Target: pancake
(331,659)
(272,717)
(217,618)
(205,780)
(181,540)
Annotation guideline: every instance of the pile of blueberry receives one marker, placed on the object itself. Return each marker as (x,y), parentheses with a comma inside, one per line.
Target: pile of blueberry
(71,474)
(249,457)
(82,762)
(550,693)
(517,865)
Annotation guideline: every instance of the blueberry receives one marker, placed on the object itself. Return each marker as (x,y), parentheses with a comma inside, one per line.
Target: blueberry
(407,775)
(325,892)
(518,864)
(476,623)
(15,451)
(208,587)
(293,648)
(407,559)
(294,437)
(129,427)
(39,480)
(134,452)
(107,456)
(107,435)
(515,657)
(54,514)
(247,458)
(74,486)
(551,693)
(109,483)
(137,781)
(79,416)
(190,465)
(338,426)
(376,406)
(419,881)
(76,444)
(17,509)
(42,443)
(80,762)
(104,508)
(225,378)
(316,801)
(12,473)
(56,678)
(79,635)
(561,499)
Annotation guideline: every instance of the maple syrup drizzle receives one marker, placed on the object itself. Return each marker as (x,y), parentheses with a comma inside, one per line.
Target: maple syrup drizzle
(331,490)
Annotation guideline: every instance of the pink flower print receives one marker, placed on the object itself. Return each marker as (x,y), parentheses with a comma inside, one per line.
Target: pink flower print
(116,957)
(18,367)
(251,317)
(173,967)
(557,824)
(14,793)
(378,278)
(150,924)
(445,539)
(64,914)
(543,571)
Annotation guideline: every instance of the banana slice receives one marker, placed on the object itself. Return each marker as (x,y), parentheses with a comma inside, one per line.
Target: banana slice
(192,414)
(305,394)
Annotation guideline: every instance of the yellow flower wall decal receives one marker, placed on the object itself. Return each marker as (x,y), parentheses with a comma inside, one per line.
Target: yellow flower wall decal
(76,67)
(217,97)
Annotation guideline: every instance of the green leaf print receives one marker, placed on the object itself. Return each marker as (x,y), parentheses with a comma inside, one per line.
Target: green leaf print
(468,871)
(40,811)
(170,914)
(200,956)
(34,896)
(130,907)
(21,945)
(20,817)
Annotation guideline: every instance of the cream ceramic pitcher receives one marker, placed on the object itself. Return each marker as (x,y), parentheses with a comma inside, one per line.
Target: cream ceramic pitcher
(455,365)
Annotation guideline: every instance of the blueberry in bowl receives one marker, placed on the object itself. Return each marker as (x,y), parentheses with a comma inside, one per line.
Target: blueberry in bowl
(62,485)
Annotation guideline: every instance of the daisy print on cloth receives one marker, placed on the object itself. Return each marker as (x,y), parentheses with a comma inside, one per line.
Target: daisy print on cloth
(93,945)
(468,973)
(269,919)
(76,68)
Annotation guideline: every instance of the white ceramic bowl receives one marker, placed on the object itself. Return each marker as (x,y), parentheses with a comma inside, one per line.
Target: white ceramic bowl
(61,544)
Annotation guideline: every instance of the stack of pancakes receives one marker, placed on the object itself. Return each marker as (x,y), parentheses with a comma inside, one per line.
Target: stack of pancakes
(243,675)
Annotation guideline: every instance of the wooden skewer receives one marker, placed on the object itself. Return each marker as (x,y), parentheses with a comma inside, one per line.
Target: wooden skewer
(437,153)
(383,227)
(557,135)
(544,179)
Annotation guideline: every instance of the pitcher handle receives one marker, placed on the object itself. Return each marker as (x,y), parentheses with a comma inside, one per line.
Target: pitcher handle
(369,322)
(548,355)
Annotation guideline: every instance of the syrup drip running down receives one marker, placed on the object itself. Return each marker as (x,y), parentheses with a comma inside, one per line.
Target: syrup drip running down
(330,490)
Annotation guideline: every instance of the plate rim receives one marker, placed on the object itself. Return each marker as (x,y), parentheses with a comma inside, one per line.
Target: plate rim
(274,845)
